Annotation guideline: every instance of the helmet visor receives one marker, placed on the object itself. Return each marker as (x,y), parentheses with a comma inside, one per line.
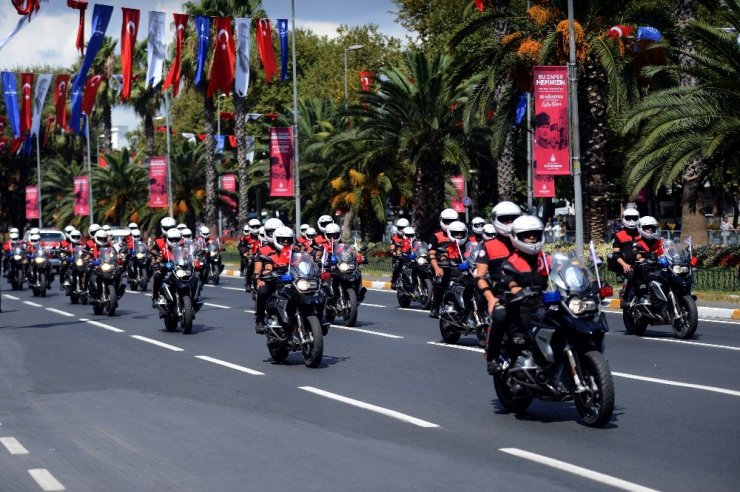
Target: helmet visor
(458,234)
(530,236)
(448,221)
(507,219)
(332,235)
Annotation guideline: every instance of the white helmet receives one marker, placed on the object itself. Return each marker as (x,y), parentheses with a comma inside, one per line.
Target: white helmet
(92,230)
(489,232)
(14,235)
(303,229)
(409,232)
(101,238)
(67,230)
(401,224)
(133,225)
(324,221)
(271,225)
(204,231)
(283,236)
(34,230)
(333,231)
(503,215)
(630,216)
(447,217)
(477,225)
(135,233)
(34,238)
(173,236)
(14,229)
(261,234)
(166,224)
(457,231)
(311,233)
(645,223)
(254,226)
(527,224)
(186,233)
(106,228)
(181,226)
(75,236)
(246,230)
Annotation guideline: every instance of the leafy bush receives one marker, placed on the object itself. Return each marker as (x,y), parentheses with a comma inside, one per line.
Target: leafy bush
(718,256)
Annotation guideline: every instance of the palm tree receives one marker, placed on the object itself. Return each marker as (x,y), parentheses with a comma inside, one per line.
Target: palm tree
(106,64)
(58,180)
(409,122)
(120,188)
(683,125)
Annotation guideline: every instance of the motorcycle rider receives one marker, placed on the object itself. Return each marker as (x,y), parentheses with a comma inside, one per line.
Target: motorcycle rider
(187,235)
(9,245)
(311,235)
(395,249)
(90,242)
(302,238)
(647,247)
(155,253)
(476,226)
(489,232)
(66,246)
(524,268)
(248,245)
(101,240)
(163,254)
(437,247)
(621,258)
(264,289)
(323,221)
(447,253)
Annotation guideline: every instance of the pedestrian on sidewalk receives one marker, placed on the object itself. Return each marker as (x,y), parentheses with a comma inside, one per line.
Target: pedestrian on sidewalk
(726,229)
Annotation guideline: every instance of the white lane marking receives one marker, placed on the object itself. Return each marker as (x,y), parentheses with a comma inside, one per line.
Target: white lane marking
(32,304)
(103,325)
(230,365)
(413,310)
(360,330)
(678,383)
(577,470)
(63,313)
(158,343)
(216,305)
(12,297)
(377,290)
(373,305)
(249,311)
(368,406)
(46,480)
(686,342)
(134,292)
(12,445)
(459,347)
(234,288)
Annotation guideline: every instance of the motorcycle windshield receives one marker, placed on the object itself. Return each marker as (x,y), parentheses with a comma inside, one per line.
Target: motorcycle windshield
(19,250)
(78,252)
(568,272)
(675,253)
(471,250)
(191,247)
(181,256)
(141,247)
(303,266)
(42,252)
(107,255)
(344,253)
(420,248)
(214,247)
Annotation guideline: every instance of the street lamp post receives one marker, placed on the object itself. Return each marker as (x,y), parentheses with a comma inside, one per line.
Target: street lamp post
(167,129)
(218,135)
(89,167)
(574,132)
(296,174)
(354,47)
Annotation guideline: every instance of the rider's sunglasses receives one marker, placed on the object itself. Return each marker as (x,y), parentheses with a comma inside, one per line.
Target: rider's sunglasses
(506,219)
(478,224)
(448,221)
(285,241)
(458,234)
(332,236)
(631,217)
(410,236)
(649,228)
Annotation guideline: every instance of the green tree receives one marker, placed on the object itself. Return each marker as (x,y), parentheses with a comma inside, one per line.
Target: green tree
(120,189)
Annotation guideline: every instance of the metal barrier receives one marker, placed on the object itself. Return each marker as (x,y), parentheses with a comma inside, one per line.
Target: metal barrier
(716,279)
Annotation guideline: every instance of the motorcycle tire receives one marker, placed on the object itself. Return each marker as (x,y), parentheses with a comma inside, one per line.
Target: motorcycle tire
(214,276)
(278,352)
(187,315)
(403,300)
(449,333)
(18,281)
(633,327)
(595,406)
(507,400)
(74,298)
(133,286)
(98,308)
(350,318)
(686,327)
(43,284)
(143,280)
(170,324)
(313,351)
(426,300)
(112,303)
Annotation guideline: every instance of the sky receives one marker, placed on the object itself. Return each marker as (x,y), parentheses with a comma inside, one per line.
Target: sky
(50,38)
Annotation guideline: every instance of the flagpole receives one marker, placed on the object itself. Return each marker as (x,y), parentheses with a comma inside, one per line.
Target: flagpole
(89,167)
(169,171)
(38,181)
(574,132)
(295,131)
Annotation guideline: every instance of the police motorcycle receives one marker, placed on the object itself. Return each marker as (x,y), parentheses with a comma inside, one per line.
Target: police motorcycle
(560,354)
(415,283)
(180,290)
(17,266)
(342,294)
(39,271)
(463,310)
(105,286)
(667,298)
(77,273)
(138,266)
(212,264)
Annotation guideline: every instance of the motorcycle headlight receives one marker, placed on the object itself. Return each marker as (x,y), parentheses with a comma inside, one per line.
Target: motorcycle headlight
(679,269)
(580,306)
(139,256)
(106,267)
(78,262)
(344,267)
(421,260)
(304,285)
(213,253)
(39,260)
(17,257)
(180,273)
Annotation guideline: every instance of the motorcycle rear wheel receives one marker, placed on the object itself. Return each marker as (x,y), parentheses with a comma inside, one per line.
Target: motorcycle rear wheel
(18,280)
(43,282)
(313,351)
(187,315)
(686,326)
(633,327)
(596,405)
(449,333)
(278,352)
(214,275)
(143,279)
(510,403)
(74,298)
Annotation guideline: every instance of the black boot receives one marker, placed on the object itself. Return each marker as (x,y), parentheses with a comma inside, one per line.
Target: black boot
(259,327)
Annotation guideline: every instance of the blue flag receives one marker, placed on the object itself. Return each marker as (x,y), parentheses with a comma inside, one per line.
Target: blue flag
(11,102)
(283,32)
(220,140)
(203,29)
(521,108)
(648,33)
(100,19)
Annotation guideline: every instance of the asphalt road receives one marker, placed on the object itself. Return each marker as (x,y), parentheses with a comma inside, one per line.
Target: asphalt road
(91,403)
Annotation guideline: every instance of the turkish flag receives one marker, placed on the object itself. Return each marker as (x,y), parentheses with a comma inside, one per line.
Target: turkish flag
(26,96)
(173,78)
(91,91)
(129,29)
(60,100)
(224,58)
(264,46)
(232,141)
(481,4)
(366,80)
(619,31)
(80,5)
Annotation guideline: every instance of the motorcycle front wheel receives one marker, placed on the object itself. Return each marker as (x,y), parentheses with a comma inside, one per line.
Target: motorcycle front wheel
(112,303)
(596,404)
(426,294)
(43,284)
(685,326)
(278,352)
(214,275)
(143,279)
(449,333)
(350,313)
(403,300)
(313,350)
(187,315)
(18,280)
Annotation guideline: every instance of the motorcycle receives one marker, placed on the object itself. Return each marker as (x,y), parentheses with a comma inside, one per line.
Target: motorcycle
(105,286)
(179,291)
(293,311)
(17,267)
(78,279)
(415,282)
(39,272)
(212,265)
(559,355)
(463,310)
(138,266)
(667,299)
(342,294)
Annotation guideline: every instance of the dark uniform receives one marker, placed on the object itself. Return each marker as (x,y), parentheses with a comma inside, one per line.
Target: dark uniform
(447,253)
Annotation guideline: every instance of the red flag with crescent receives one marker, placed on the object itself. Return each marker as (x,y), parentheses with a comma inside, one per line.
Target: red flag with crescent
(25,7)
(265,48)
(26,96)
(81,6)
(173,78)
(129,29)
(91,92)
(366,80)
(224,58)
(60,100)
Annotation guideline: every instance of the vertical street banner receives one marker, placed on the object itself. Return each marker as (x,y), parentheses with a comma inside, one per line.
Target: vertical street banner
(32,202)
(544,186)
(283,33)
(551,133)
(158,182)
(456,198)
(82,197)
(281,161)
(228,183)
